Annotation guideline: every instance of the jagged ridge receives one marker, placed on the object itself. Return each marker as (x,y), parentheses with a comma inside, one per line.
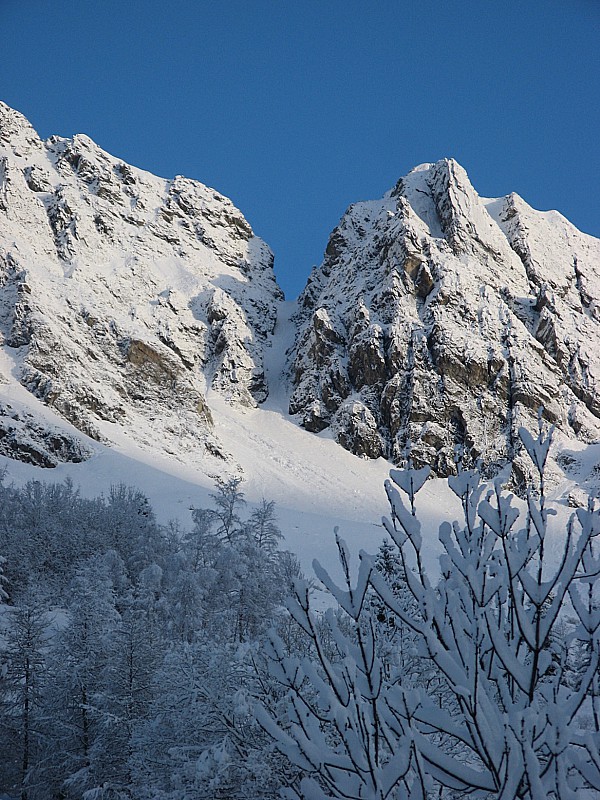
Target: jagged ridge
(443,321)
(125,297)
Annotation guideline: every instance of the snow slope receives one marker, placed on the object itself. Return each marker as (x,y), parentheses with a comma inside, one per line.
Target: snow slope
(315,484)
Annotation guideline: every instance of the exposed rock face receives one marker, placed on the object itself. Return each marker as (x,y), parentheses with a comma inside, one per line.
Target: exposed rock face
(124,298)
(25,438)
(446,321)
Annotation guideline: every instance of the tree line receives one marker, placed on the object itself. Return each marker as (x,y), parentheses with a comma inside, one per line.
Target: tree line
(128,650)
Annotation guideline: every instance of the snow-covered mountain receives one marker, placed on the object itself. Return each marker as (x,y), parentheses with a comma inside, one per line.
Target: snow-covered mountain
(447,320)
(124,297)
(143,314)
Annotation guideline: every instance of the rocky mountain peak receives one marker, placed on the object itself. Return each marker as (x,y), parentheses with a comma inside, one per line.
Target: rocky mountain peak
(440,322)
(16,132)
(126,298)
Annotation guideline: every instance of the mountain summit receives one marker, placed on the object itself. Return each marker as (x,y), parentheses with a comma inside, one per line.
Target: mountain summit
(438,323)
(126,297)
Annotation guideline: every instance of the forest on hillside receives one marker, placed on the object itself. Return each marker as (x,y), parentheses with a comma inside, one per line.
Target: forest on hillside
(149,662)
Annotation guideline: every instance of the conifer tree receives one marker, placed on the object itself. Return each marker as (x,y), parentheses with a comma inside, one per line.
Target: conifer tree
(80,678)
(21,696)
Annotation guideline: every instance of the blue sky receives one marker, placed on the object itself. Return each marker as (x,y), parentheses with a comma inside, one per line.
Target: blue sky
(297,109)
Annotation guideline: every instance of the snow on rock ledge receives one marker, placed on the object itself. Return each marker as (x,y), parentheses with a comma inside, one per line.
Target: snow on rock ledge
(25,438)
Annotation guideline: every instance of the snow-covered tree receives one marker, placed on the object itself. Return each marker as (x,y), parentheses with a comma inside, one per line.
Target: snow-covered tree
(79,678)
(147,646)
(263,528)
(508,723)
(21,696)
(200,739)
(228,499)
(396,641)
(186,613)
(201,544)
(344,727)
(131,528)
(586,602)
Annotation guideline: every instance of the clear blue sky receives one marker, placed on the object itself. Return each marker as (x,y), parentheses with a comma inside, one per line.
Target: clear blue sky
(297,109)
